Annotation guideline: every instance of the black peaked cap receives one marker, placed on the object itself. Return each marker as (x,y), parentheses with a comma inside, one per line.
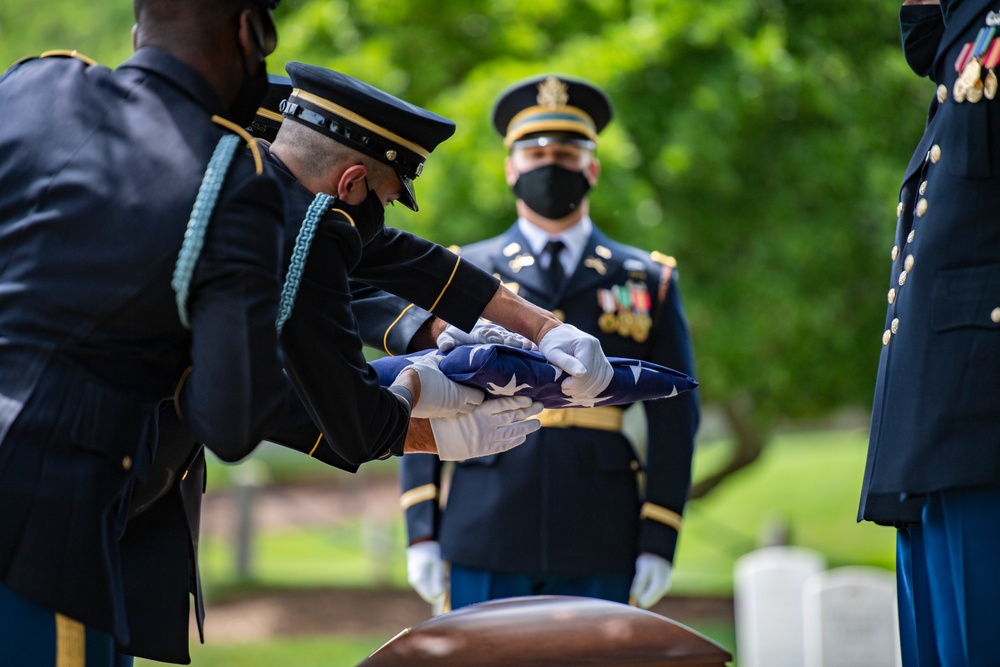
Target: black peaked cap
(369,120)
(551,104)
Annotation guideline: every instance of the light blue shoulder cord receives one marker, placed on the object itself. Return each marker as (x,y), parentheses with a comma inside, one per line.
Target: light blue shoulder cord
(303,241)
(201,215)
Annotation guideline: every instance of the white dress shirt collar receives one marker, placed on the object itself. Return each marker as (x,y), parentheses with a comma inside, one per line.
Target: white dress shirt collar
(575,238)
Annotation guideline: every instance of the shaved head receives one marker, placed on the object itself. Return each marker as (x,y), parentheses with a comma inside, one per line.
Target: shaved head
(317,155)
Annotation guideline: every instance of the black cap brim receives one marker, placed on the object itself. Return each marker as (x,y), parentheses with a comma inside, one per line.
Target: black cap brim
(407,197)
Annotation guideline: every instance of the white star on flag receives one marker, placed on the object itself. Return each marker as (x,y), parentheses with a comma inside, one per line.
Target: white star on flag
(509,389)
(636,372)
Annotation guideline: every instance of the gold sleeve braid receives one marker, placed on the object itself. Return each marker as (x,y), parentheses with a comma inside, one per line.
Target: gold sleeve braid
(661,515)
(418,495)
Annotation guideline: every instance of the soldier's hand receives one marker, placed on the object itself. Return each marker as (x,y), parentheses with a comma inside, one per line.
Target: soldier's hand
(482,333)
(494,426)
(579,354)
(439,396)
(425,570)
(652,580)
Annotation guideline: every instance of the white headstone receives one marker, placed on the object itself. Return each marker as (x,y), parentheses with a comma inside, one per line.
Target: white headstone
(767,596)
(850,619)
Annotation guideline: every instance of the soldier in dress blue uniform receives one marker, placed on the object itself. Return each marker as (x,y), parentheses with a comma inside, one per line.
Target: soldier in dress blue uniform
(565,513)
(933,465)
(99,174)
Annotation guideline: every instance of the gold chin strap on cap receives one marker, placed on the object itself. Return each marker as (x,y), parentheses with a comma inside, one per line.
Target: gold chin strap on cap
(600,418)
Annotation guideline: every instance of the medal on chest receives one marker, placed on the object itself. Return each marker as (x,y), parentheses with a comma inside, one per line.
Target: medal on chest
(975,64)
(625,310)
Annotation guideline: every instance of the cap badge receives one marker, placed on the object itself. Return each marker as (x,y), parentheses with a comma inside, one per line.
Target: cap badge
(390,155)
(553,93)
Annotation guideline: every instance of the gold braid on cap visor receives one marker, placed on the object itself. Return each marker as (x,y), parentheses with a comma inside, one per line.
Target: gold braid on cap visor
(550,119)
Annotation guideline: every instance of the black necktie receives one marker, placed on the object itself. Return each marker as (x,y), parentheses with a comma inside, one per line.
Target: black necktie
(555,271)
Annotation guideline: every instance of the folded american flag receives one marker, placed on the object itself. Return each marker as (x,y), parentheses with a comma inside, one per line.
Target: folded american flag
(500,370)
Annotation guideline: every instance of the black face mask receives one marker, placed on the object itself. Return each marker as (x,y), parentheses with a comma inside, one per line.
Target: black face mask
(368,216)
(921,27)
(552,191)
(252,91)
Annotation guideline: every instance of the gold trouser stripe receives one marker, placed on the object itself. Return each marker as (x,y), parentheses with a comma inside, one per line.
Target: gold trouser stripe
(458,260)
(661,514)
(71,642)
(600,418)
(418,495)
(385,338)
(446,603)
(251,143)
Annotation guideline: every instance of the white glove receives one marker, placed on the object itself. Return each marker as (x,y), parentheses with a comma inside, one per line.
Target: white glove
(439,396)
(580,355)
(483,333)
(494,426)
(425,570)
(652,579)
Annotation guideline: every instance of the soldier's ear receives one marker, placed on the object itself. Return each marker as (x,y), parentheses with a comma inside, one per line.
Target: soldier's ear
(251,42)
(351,188)
(510,171)
(593,171)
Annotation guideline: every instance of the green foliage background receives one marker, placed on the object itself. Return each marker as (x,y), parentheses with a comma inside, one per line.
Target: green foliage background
(760,142)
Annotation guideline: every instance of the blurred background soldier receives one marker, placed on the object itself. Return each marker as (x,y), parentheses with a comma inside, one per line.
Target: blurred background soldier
(565,512)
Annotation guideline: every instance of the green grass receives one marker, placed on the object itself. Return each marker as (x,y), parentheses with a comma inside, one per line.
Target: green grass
(297,651)
(807,481)
(810,482)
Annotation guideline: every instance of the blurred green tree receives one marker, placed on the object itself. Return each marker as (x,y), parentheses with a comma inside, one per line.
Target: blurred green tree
(760,142)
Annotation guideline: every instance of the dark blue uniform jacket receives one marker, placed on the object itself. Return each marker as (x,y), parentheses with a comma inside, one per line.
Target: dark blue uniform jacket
(936,414)
(99,171)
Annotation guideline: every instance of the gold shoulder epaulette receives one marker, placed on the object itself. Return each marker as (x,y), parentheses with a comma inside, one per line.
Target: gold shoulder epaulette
(64,53)
(258,162)
(455,249)
(665,260)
